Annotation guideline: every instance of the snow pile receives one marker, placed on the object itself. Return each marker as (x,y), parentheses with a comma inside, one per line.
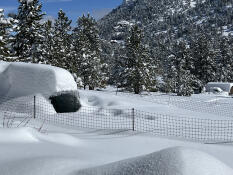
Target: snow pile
(171,161)
(23,79)
(226,87)
(26,151)
(25,105)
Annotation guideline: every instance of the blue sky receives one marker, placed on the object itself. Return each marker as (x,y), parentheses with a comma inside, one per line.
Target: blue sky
(73,8)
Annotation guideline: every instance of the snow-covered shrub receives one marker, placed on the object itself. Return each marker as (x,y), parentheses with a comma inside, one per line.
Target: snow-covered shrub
(66,102)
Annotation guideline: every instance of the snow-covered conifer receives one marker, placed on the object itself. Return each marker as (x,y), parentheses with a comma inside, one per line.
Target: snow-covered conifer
(5,24)
(225,60)
(204,59)
(28,38)
(86,50)
(47,47)
(62,41)
(179,78)
(139,71)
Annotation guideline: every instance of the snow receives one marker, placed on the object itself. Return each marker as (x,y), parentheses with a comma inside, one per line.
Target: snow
(23,79)
(226,87)
(22,104)
(176,160)
(193,3)
(25,151)
(154,104)
(128,1)
(64,150)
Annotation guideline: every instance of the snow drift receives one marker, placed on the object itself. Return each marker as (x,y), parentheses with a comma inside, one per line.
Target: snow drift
(23,79)
(171,161)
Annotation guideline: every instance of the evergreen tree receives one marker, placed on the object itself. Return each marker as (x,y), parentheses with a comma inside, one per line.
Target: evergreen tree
(28,39)
(170,78)
(87,51)
(180,80)
(5,24)
(62,42)
(225,61)
(47,47)
(204,59)
(139,72)
(118,77)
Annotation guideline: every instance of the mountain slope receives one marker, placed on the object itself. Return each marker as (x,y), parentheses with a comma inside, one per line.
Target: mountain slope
(173,18)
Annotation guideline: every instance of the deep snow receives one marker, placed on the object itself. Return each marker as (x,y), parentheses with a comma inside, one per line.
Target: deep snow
(63,150)
(171,161)
(23,79)
(25,151)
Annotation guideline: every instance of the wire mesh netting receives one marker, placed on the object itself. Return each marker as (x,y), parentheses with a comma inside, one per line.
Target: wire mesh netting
(210,104)
(18,111)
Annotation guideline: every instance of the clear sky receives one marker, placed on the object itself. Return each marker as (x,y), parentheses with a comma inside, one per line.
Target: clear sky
(73,8)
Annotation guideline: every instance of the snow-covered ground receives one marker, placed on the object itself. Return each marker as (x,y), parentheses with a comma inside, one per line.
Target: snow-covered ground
(25,151)
(59,149)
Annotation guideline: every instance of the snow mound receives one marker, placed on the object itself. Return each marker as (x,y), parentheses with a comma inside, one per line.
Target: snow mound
(25,105)
(172,161)
(29,135)
(23,79)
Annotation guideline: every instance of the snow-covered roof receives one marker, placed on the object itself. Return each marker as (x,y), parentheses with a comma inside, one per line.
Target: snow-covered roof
(225,86)
(21,79)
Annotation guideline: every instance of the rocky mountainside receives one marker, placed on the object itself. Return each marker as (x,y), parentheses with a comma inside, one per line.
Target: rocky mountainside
(190,41)
(169,19)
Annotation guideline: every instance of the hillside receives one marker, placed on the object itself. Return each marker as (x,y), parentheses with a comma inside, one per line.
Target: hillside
(173,30)
(173,18)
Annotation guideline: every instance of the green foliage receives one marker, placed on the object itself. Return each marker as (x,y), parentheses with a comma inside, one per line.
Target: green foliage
(62,42)
(86,52)
(48,43)
(5,25)
(28,39)
(139,70)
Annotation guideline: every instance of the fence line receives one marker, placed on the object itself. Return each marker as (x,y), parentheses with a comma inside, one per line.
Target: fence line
(195,129)
(196,104)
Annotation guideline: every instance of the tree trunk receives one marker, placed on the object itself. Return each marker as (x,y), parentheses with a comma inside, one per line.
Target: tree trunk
(91,88)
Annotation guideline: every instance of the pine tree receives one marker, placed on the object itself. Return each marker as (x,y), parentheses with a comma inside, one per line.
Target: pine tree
(87,51)
(47,47)
(179,78)
(28,39)
(170,78)
(204,59)
(225,61)
(139,72)
(118,63)
(62,42)
(5,25)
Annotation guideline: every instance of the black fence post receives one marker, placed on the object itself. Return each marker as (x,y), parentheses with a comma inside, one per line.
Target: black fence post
(133,119)
(34,107)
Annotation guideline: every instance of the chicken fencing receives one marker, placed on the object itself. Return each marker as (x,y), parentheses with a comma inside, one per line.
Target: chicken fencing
(19,112)
(216,105)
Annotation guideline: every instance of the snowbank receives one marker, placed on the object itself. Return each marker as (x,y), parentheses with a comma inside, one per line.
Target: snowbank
(23,79)
(226,87)
(25,104)
(171,161)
